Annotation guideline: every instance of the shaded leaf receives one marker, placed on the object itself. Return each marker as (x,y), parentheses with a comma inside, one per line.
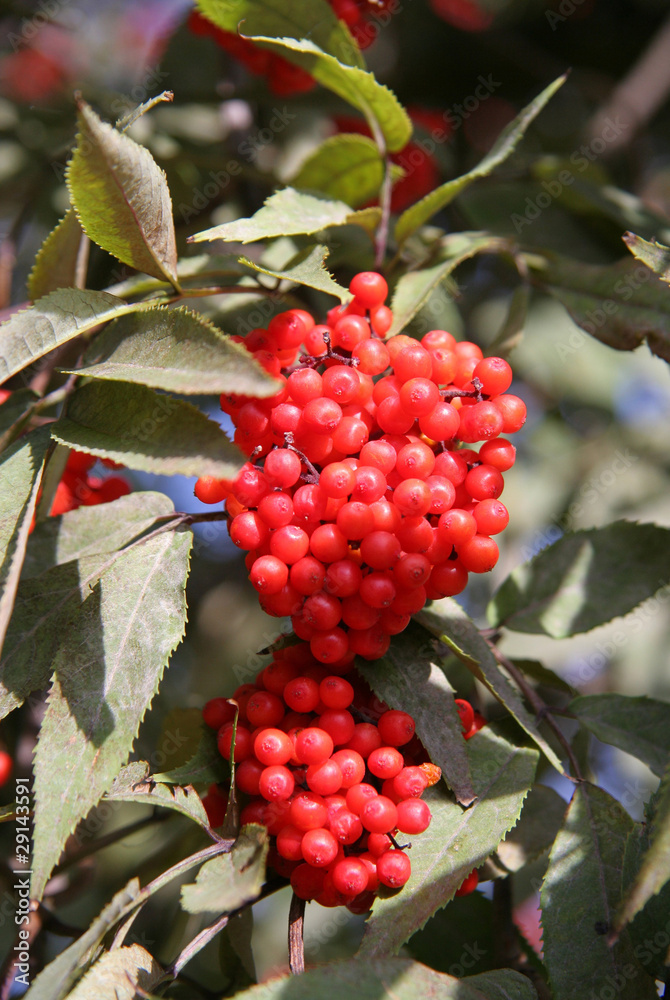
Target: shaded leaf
(510,334)
(313,19)
(229,881)
(121,197)
(640,726)
(143,429)
(15,413)
(306,268)
(623,304)
(580,894)
(396,978)
(418,214)
(285,213)
(117,974)
(176,350)
(406,678)
(53,320)
(543,676)
(106,672)
(654,871)
(54,981)
(83,532)
(541,819)
(584,579)
(56,261)
(456,841)
(382,109)
(20,473)
(650,950)
(447,621)
(206,765)
(458,938)
(128,786)
(347,167)
(414,288)
(655,255)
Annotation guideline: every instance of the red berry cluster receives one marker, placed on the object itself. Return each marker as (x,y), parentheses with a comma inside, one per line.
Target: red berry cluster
(78,488)
(359,503)
(283,76)
(332,791)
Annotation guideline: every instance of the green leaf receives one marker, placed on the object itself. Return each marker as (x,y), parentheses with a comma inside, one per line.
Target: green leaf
(396,978)
(313,19)
(106,672)
(541,819)
(414,288)
(56,261)
(206,765)
(580,894)
(622,305)
(456,842)
(121,197)
(118,974)
(543,676)
(640,726)
(650,953)
(134,784)
(176,350)
(346,167)
(654,871)
(15,413)
(458,938)
(285,213)
(418,214)
(655,255)
(83,532)
(53,320)
(510,334)
(306,268)
(406,678)
(384,113)
(447,621)
(20,474)
(584,579)
(231,880)
(143,429)
(54,981)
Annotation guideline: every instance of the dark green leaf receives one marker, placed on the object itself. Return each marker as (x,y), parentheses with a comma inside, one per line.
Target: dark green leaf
(655,255)
(347,167)
(654,871)
(543,676)
(206,765)
(20,474)
(83,532)
(457,840)
(580,895)
(107,669)
(313,19)
(143,429)
(447,621)
(649,941)
(56,261)
(15,413)
(584,579)
(176,350)
(306,268)
(55,980)
(459,939)
(129,786)
(620,304)
(406,678)
(541,819)
(415,287)
(229,881)
(506,143)
(121,197)
(118,974)
(396,978)
(285,213)
(58,317)
(640,726)
(511,332)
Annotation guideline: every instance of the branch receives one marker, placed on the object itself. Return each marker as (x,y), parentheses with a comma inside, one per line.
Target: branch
(296,944)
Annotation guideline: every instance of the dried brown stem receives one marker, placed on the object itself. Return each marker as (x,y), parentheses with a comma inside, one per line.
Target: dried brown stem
(296,944)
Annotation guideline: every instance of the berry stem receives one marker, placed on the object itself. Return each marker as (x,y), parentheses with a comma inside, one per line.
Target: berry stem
(313,474)
(296,944)
(312,361)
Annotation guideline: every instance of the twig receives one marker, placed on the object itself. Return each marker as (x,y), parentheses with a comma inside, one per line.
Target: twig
(296,944)
(385,205)
(110,838)
(542,710)
(194,946)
